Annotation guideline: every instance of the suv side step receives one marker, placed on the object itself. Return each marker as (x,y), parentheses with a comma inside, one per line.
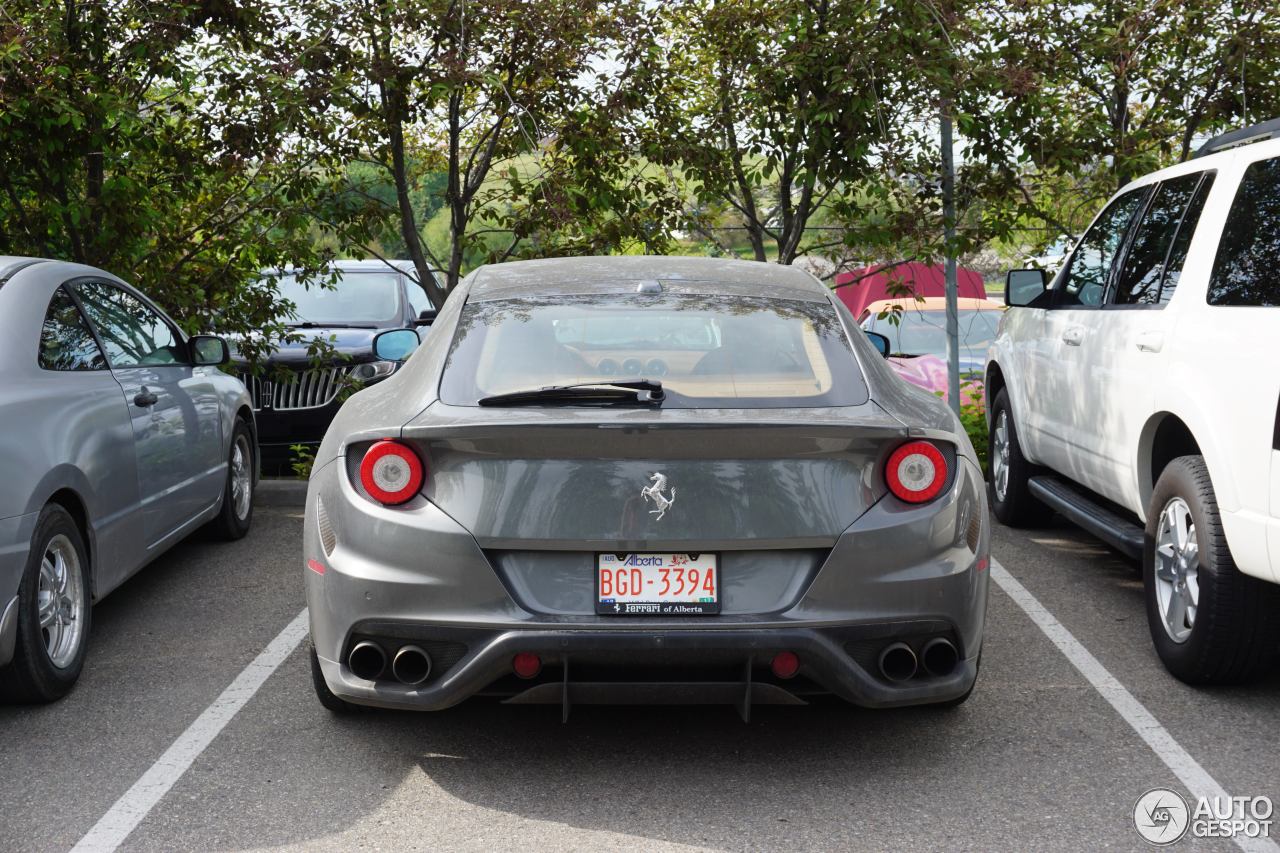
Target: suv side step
(1088,512)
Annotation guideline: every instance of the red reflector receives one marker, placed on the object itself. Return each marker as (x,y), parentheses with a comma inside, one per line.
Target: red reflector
(785,664)
(526,664)
(316,566)
(983,564)
(391,472)
(916,472)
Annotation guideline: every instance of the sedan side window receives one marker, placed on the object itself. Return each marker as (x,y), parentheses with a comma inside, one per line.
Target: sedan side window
(132,332)
(66,343)
(1085,281)
(1150,262)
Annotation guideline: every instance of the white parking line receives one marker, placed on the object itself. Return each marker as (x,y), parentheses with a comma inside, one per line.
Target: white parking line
(1196,779)
(123,817)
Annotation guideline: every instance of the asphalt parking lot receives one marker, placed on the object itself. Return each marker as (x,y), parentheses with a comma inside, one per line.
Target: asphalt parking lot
(1039,758)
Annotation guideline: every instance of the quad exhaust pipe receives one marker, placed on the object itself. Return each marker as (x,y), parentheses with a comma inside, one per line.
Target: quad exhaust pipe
(367,660)
(411,665)
(898,662)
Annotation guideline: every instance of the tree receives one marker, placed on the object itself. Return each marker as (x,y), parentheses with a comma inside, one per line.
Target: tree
(478,92)
(1105,92)
(772,109)
(153,140)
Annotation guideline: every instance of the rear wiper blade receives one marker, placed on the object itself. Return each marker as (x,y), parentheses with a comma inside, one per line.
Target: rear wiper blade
(647,391)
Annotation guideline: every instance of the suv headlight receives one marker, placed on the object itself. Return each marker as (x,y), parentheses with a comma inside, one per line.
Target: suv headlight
(371,370)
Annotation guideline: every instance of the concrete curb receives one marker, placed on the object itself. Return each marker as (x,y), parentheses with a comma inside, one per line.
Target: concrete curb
(291,493)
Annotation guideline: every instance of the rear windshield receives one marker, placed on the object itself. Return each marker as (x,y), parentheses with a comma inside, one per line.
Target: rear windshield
(708,351)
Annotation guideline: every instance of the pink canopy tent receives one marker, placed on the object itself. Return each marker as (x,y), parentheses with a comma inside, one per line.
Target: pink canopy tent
(871,284)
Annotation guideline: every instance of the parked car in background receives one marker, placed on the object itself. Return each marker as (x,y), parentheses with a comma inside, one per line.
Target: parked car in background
(1137,395)
(120,437)
(644,478)
(917,333)
(860,287)
(368,297)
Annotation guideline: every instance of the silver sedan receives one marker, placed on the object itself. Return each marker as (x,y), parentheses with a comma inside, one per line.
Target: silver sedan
(118,437)
(641,479)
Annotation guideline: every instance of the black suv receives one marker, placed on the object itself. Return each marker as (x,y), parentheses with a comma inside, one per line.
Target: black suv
(369,297)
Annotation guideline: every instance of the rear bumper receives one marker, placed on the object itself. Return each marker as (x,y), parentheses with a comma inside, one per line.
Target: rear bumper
(417,577)
(584,666)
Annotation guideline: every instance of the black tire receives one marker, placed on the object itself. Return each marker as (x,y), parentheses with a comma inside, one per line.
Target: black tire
(1018,508)
(1234,635)
(324,694)
(231,524)
(32,676)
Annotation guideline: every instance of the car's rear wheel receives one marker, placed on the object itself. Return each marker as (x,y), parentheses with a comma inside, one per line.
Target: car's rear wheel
(1008,489)
(1210,622)
(236,516)
(54,610)
(324,694)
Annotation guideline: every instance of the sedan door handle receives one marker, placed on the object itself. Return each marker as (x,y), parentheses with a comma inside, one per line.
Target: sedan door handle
(1073,336)
(145,398)
(1150,341)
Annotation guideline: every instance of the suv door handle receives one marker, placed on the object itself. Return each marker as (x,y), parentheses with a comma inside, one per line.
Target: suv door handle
(1150,341)
(145,398)
(1073,336)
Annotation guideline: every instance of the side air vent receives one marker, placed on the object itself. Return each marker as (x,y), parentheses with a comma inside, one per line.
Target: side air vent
(327,537)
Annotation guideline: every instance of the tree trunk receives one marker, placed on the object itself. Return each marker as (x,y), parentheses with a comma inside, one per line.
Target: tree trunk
(393,105)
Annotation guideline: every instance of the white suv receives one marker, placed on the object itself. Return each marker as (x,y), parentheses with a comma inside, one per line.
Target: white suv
(1137,394)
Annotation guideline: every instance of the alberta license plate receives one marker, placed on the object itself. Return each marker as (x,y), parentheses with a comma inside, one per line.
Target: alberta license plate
(657,584)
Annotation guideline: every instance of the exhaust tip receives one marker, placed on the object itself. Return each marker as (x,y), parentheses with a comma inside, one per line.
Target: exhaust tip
(367,660)
(898,662)
(411,665)
(939,656)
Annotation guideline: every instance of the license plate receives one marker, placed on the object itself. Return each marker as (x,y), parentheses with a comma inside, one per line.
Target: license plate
(657,584)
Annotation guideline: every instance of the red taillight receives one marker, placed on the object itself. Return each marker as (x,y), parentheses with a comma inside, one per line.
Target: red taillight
(391,472)
(916,472)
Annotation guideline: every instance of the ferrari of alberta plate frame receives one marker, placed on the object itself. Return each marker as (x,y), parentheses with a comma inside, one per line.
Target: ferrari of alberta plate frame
(657,584)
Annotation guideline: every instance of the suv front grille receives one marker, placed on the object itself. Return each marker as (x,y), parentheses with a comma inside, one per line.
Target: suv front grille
(306,389)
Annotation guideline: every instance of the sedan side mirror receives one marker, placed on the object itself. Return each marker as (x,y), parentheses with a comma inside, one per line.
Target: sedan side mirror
(209,351)
(880,342)
(395,344)
(1022,287)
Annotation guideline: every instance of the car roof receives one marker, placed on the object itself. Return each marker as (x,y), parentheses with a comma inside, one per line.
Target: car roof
(937,303)
(585,276)
(350,265)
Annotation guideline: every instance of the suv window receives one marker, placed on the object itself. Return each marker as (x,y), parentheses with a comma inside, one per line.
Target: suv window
(1159,247)
(66,343)
(131,331)
(1085,280)
(1244,272)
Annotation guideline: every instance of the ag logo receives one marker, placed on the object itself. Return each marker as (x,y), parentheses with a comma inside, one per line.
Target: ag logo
(1161,816)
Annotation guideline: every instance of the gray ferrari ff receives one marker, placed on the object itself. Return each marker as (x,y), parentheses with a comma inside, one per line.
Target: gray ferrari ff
(639,479)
